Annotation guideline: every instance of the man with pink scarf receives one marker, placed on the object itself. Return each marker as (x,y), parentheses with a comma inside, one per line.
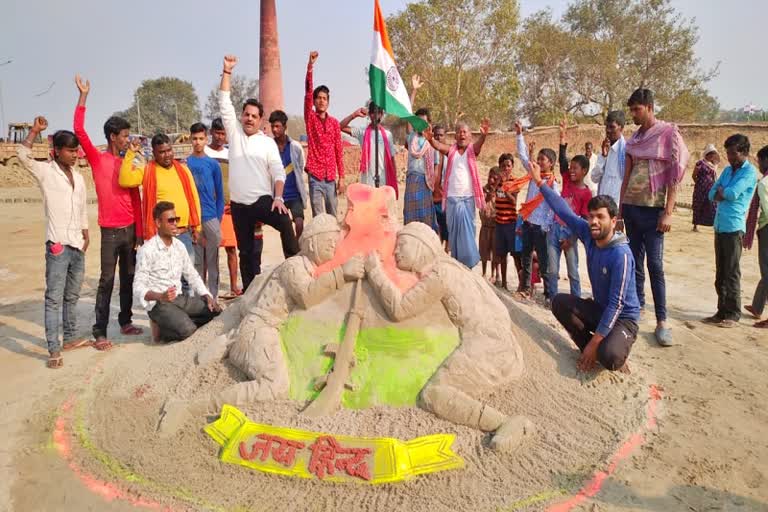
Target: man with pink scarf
(462,191)
(387,169)
(656,157)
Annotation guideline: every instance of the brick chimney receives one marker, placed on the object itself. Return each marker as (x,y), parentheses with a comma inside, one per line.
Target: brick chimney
(270,75)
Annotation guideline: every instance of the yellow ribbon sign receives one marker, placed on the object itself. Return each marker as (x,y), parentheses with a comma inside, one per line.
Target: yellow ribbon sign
(292,452)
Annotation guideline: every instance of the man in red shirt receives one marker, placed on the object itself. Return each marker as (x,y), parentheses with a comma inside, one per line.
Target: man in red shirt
(577,195)
(324,153)
(119,219)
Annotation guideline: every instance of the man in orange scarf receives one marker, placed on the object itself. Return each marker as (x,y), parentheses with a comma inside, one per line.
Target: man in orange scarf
(164,179)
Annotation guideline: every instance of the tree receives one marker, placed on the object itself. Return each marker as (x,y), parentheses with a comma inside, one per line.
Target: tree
(165,103)
(590,62)
(241,88)
(465,53)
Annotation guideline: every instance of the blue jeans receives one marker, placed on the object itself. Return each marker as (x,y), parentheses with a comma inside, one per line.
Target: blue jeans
(63,279)
(322,196)
(554,236)
(645,240)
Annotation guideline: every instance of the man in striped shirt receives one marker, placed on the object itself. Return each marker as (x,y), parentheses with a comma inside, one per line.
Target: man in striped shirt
(506,219)
(604,328)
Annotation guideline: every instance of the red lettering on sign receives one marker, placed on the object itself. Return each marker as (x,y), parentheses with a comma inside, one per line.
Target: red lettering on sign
(324,462)
(283,450)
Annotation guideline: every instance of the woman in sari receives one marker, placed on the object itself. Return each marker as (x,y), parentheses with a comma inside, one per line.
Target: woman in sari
(704,176)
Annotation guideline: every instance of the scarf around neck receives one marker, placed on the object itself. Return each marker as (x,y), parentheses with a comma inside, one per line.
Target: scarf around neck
(666,152)
(150,198)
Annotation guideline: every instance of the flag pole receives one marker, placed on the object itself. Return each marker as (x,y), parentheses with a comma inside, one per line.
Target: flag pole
(376,144)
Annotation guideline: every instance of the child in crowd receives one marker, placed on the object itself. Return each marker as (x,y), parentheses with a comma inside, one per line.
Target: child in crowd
(506,219)
(488,224)
(577,195)
(538,216)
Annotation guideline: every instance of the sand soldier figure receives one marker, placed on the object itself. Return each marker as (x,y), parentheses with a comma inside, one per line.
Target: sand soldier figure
(256,347)
(488,355)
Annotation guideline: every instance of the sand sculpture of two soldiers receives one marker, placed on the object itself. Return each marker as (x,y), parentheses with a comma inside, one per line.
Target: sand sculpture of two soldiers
(487,355)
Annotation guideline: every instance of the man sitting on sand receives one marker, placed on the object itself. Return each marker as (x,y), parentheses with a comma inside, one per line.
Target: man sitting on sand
(604,328)
(161,262)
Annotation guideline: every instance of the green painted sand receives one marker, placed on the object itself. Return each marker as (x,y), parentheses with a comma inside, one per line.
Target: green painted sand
(393,364)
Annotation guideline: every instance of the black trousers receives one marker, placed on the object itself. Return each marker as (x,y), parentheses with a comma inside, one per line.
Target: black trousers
(244,219)
(580,317)
(535,239)
(728,274)
(118,247)
(178,320)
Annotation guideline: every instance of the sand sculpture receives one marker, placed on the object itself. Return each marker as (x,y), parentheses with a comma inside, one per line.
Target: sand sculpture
(405,273)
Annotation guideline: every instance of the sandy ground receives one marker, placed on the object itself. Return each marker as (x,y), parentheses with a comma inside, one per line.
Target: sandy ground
(708,450)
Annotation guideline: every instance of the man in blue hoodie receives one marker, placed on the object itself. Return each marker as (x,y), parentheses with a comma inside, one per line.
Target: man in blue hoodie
(604,328)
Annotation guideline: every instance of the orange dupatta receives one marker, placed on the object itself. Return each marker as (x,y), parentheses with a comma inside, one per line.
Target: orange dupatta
(150,198)
(518,183)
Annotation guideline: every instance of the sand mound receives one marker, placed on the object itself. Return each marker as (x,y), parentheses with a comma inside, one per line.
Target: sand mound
(578,427)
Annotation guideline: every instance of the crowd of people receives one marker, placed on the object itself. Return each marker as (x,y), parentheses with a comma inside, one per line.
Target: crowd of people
(164,241)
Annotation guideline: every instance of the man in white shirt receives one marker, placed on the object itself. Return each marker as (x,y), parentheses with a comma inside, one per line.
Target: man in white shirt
(160,264)
(256,177)
(66,234)
(608,172)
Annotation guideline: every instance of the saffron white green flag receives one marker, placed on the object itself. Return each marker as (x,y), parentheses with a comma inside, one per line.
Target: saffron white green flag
(387,89)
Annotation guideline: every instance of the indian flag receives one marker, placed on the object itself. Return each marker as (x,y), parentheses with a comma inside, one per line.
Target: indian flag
(387,89)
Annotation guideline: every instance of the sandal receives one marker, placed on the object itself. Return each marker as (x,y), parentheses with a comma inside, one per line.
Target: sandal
(762,325)
(131,330)
(73,345)
(751,311)
(55,363)
(102,344)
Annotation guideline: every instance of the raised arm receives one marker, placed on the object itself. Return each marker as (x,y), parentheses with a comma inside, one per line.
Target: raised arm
(485,126)
(344,124)
(131,176)
(35,168)
(439,146)
(522,149)
(228,114)
(416,84)
(91,153)
(562,157)
(308,86)
(599,169)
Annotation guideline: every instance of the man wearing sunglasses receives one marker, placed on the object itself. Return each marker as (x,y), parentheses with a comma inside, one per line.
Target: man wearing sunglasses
(161,263)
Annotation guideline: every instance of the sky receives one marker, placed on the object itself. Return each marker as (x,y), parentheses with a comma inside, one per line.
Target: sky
(116,45)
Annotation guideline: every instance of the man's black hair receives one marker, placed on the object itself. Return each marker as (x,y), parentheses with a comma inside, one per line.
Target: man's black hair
(319,89)
(582,161)
(424,112)
(160,208)
(506,156)
(217,124)
(438,127)
(160,139)
(616,116)
(550,154)
(763,153)
(278,116)
(738,142)
(65,139)
(197,128)
(641,97)
(603,201)
(373,107)
(114,126)
(588,144)
(254,103)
